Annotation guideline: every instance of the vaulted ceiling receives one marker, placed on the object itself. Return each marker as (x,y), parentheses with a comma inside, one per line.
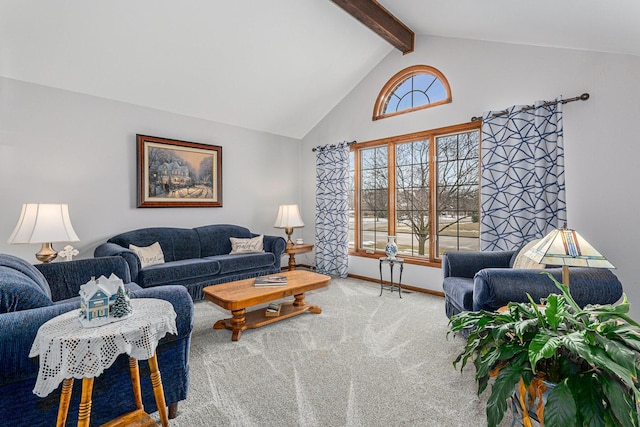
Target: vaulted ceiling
(277,66)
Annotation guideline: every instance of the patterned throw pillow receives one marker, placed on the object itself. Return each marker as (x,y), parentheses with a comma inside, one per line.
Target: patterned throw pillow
(149,255)
(246,246)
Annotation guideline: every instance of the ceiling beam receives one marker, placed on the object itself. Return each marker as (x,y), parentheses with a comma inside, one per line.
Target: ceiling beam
(383,23)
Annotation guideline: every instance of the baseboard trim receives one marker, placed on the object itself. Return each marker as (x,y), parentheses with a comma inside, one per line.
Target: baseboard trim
(407,287)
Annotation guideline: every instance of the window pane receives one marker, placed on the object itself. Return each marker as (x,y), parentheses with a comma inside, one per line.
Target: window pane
(458,224)
(374,197)
(420,89)
(352,201)
(412,198)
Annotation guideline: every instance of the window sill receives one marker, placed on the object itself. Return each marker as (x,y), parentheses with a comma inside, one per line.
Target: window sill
(407,258)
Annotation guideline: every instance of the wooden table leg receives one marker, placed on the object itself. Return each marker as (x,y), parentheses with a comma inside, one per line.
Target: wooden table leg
(84,412)
(238,323)
(299,300)
(65,398)
(292,262)
(135,382)
(158,391)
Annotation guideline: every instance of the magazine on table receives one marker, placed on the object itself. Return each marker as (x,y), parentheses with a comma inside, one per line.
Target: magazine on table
(271,281)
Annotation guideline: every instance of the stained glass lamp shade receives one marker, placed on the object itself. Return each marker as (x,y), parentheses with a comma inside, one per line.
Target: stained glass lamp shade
(566,247)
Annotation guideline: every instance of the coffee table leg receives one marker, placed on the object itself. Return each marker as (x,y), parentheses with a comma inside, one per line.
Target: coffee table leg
(65,397)
(299,302)
(238,323)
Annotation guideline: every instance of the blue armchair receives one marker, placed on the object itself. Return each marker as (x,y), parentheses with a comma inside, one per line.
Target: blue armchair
(476,281)
(31,295)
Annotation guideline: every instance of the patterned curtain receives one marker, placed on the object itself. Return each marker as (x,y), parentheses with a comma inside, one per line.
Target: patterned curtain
(523,190)
(332,210)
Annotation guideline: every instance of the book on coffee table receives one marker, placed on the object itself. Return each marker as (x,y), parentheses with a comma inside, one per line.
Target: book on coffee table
(271,281)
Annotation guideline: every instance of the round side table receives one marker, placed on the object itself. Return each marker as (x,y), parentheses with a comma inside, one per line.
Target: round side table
(68,350)
(391,262)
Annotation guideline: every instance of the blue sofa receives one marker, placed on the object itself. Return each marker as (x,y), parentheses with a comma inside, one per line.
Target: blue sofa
(31,295)
(194,257)
(476,281)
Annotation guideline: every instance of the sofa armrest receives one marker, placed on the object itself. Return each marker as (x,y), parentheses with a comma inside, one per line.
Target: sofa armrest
(112,249)
(276,245)
(467,264)
(65,278)
(494,288)
(14,352)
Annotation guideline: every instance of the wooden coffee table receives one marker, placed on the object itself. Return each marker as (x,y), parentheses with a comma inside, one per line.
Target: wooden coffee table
(242,294)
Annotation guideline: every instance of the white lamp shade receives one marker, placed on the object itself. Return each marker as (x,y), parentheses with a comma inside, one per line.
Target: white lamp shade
(288,216)
(567,247)
(43,223)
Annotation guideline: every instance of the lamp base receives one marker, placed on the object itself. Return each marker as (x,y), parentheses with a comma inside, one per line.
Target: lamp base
(46,253)
(289,231)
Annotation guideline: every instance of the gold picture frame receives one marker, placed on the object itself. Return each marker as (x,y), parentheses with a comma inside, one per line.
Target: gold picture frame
(173,173)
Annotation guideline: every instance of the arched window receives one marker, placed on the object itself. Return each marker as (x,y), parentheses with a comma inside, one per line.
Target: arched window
(413,88)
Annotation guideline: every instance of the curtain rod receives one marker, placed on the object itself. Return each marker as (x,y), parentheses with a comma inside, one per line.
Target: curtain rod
(326,147)
(582,97)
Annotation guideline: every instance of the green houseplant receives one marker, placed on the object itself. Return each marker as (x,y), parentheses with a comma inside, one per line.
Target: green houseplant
(584,360)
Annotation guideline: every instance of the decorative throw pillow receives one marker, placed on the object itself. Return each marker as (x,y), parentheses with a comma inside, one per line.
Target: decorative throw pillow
(523,261)
(246,246)
(149,255)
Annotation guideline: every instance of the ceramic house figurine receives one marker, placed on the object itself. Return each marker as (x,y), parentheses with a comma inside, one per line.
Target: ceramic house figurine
(97,300)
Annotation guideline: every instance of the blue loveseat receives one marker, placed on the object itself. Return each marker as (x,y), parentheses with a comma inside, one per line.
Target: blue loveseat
(31,295)
(194,257)
(476,281)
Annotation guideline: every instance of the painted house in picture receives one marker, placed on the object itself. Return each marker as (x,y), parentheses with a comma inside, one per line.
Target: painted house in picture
(98,297)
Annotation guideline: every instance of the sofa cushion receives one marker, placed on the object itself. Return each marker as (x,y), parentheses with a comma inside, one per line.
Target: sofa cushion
(247,246)
(19,292)
(176,243)
(240,262)
(175,271)
(149,255)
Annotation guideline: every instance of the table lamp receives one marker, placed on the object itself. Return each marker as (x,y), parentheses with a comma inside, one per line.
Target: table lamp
(46,224)
(288,218)
(566,247)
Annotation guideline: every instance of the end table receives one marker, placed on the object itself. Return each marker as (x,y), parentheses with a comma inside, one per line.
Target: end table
(391,262)
(296,249)
(87,352)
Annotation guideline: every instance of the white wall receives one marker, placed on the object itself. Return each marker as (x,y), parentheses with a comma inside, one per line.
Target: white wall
(601,143)
(59,146)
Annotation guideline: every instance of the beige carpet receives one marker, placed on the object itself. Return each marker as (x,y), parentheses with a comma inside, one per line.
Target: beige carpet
(365,361)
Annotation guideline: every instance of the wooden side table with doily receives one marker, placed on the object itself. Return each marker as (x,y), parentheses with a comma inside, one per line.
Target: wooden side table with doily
(68,350)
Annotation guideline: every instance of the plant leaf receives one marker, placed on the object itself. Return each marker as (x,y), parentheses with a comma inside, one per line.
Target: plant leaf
(560,410)
(586,393)
(543,346)
(554,310)
(596,356)
(620,403)
(501,390)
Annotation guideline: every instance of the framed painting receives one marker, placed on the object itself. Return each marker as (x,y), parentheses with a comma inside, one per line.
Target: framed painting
(174,173)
